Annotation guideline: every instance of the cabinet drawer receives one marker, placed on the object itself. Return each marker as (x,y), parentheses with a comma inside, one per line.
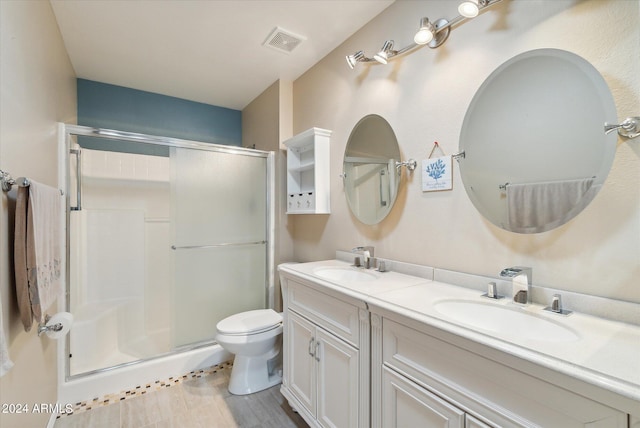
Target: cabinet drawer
(405,404)
(480,386)
(334,315)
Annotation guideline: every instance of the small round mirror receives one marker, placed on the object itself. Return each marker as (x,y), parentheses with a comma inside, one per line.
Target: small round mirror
(371,178)
(535,150)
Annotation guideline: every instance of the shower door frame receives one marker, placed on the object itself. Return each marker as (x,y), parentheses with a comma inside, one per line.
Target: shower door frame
(66,132)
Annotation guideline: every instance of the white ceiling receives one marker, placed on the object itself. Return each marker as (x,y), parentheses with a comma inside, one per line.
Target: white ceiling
(210,51)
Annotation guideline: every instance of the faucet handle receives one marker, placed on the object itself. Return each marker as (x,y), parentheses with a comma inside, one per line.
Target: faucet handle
(492,291)
(556,306)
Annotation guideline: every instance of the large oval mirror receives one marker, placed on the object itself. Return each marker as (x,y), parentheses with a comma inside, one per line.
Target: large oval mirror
(371,178)
(535,151)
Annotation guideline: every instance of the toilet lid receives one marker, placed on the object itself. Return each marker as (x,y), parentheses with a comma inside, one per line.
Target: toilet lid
(250,322)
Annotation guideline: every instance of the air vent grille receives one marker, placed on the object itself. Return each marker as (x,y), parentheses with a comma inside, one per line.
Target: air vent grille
(283,40)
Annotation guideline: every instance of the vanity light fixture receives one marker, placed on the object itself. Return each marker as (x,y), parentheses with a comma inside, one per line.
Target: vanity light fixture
(425,33)
(429,33)
(383,56)
(469,9)
(352,60)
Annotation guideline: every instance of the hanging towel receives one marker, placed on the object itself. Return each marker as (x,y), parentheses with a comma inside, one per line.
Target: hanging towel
(538,207)
(37,251)
(5,361)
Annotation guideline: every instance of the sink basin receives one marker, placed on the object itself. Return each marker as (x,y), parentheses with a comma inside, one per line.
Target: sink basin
(505,320)
(344,274)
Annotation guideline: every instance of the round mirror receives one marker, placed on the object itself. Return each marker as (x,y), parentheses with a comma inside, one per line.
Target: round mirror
(371,178)
(535,151)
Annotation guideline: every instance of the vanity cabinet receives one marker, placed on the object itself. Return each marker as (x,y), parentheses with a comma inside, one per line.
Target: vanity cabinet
(308,172)
(375,354)
(406,404)
(430,380)
(326,358)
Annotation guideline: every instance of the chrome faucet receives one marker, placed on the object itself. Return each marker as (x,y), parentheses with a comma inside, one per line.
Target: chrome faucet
(367,255)
(520,283)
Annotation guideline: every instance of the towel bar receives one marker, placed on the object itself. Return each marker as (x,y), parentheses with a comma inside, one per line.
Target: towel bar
(504,186)
(7,182)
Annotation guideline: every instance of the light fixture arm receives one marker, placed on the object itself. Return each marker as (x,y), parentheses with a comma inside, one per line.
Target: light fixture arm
(410,164)
(442,28)
(629,128)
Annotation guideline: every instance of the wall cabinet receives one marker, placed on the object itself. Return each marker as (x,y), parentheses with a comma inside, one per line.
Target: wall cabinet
(325,374)
(308,172)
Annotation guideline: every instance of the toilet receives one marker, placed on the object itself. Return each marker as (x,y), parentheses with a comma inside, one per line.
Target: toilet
(254,338)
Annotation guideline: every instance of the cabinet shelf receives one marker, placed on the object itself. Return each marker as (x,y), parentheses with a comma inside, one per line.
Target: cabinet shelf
(308,166)
(308,172)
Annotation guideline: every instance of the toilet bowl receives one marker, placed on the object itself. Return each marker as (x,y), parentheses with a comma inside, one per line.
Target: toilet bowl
(254,338)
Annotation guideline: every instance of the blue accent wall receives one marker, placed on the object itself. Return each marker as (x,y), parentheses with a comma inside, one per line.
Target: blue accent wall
(102,105)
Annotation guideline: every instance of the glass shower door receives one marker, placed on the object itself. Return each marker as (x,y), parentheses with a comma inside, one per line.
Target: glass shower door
(219,239)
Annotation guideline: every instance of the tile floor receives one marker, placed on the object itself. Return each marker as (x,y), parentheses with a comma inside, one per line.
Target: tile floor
(194,402)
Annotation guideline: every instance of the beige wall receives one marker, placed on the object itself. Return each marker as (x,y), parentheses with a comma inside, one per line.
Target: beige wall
(266,122)
(425,95)
(38,89)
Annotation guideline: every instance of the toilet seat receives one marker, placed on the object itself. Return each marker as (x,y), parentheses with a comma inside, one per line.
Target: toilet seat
(250,322)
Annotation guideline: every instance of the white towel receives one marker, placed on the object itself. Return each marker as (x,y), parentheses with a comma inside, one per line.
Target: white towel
(5,361)
(538,207)
(44,210)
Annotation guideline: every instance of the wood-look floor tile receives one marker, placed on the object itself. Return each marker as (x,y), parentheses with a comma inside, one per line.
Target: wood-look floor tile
(98,417)
(170,402)
(200,402)
(139,411)
(211,416)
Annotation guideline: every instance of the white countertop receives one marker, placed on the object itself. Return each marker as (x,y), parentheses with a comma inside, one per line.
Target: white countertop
(605,353)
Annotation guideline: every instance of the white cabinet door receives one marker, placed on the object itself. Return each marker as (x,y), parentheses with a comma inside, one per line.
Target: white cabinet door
(471,422)
(407,405)
(338,396)
(301,373)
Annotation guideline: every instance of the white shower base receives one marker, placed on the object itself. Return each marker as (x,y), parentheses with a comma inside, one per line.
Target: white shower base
(111,333)
(129,376)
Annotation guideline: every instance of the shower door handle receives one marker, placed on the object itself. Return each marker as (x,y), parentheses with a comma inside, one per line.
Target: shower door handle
(78,206)
(224,244)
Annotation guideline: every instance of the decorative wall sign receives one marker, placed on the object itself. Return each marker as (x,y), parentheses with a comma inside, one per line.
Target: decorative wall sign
(437,173)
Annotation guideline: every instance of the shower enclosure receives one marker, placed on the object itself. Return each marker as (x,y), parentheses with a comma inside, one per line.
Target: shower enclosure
(165,238)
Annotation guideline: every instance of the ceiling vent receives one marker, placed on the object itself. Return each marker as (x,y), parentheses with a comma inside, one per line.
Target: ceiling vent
(283,40)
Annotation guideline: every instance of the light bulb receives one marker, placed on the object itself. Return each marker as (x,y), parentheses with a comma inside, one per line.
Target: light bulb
(383,56)
(352,60)
(426,32)
(469,9)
